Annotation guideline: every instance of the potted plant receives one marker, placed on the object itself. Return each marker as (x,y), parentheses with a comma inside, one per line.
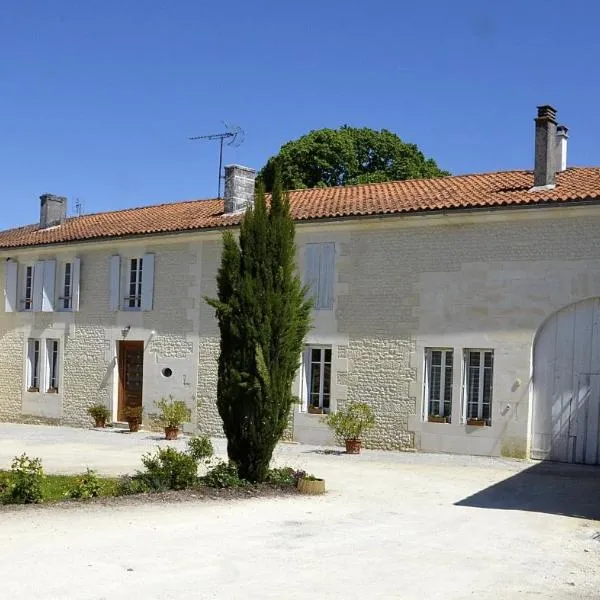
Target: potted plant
(437,419)
(311,485)
(476,422)
(172,414)
(99,413)
(313,409)
(350,423)
(133,416)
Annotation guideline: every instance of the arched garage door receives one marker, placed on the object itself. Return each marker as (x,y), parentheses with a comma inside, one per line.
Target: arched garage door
(566,384)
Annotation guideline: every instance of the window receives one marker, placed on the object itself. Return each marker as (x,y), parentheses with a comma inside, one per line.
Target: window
(318,379)
(319,270)
(479,377)
(67,287)
(438,384)
(134,300)
(33,365)
(28,298)
(52,366)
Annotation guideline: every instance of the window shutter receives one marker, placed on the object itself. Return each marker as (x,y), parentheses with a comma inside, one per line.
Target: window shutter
(10,286)
(148,282)
(75,271)
(311,271)
(326,275)
(305,380)
(38,285)
(115,283)
(48,285)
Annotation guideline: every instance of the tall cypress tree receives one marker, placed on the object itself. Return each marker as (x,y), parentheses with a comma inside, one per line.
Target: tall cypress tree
(263,316)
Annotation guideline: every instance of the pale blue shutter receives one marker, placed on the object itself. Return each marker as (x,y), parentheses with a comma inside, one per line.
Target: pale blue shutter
(75,278)
(115,283)
(10,286)
(305,381)
(48,286)
(326,275)
(147,282)
(311,271)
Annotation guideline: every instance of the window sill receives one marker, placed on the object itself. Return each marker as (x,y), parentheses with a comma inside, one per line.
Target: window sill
(434,419)
(33,390)
(478,423)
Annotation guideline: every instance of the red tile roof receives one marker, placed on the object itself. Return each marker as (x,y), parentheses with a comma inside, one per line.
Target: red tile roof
(508,188)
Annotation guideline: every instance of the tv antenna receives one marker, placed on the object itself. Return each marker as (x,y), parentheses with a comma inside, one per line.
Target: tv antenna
(234,135)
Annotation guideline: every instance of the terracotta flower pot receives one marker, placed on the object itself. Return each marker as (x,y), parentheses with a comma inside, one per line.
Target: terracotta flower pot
(437,419)
(315,410)
(171,433)
(312,487)
(476,422)
(101,423)
(134,426)
(353,446)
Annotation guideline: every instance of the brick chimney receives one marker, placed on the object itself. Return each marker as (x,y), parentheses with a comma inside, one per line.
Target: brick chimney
(53,210)
(239,188)
(545,144)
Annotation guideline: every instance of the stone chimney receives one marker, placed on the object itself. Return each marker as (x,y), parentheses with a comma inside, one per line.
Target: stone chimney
(53,210)
(239,188)
(545,144)
(560,149)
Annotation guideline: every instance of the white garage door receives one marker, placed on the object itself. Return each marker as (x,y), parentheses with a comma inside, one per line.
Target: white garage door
(566,384)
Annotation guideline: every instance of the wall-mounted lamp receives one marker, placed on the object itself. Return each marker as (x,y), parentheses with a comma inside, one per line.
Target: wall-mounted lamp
(153,333)
(126,330)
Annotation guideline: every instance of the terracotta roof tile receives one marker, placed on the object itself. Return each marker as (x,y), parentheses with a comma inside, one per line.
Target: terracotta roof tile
(392,197)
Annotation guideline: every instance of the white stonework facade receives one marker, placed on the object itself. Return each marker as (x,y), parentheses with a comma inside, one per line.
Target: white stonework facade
(486,279)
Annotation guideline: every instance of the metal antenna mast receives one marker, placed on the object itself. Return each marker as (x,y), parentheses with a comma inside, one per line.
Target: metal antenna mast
(234,136)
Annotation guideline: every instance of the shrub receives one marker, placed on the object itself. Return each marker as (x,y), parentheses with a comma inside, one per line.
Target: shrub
(131,485)
(87,486)
(24,483)
(173,412)
(350,423)
(99,411)
(200,447)
(168,469)
(283,476)
(133,413)
(223,475)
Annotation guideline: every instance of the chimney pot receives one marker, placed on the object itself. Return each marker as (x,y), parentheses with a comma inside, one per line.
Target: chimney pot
(560,151)
(239,188)
(53,210)
(545,143)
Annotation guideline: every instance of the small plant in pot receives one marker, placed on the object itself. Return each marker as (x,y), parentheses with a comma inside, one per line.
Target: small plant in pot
(133,416)
(348,424)
(172,414)
(99,413)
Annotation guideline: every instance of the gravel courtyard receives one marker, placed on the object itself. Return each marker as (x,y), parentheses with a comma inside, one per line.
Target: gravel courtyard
(392,525)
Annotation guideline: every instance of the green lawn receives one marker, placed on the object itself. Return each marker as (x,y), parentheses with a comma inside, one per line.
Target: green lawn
(56,486)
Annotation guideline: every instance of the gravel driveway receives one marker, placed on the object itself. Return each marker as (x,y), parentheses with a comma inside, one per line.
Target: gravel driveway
(392,525)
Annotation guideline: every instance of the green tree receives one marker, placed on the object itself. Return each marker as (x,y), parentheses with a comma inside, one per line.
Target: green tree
(263,315)
(347,156)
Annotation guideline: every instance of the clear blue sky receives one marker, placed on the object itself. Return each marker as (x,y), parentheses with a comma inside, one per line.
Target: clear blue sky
(98,96)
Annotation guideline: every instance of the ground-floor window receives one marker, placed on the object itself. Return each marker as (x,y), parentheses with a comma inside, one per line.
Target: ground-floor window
(439,366)
(317,368)
(479,371)
(46,353)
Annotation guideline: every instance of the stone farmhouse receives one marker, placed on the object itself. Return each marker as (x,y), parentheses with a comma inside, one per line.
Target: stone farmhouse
(464,309)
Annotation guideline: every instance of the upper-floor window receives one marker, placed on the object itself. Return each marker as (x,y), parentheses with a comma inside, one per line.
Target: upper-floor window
(67,286)
(319,273)
(28,291)
(132,282)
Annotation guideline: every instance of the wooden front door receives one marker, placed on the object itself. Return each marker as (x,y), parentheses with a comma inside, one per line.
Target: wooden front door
(131,371)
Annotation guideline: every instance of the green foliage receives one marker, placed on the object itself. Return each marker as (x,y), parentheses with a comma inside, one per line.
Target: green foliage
(200,447)
(168,469)
(133,413)
(282,476)
(87,485)
(223,475)
(128,486)
(23,485)
(347,156)
(98,411)
(263,316)
(350,423)
(173,412)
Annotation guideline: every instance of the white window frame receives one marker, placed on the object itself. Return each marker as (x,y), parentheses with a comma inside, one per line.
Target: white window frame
(34,346)
(307,376)
(134,301)
(66,290)
(427,382)
(466,392)
(27,301)
(52,371)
